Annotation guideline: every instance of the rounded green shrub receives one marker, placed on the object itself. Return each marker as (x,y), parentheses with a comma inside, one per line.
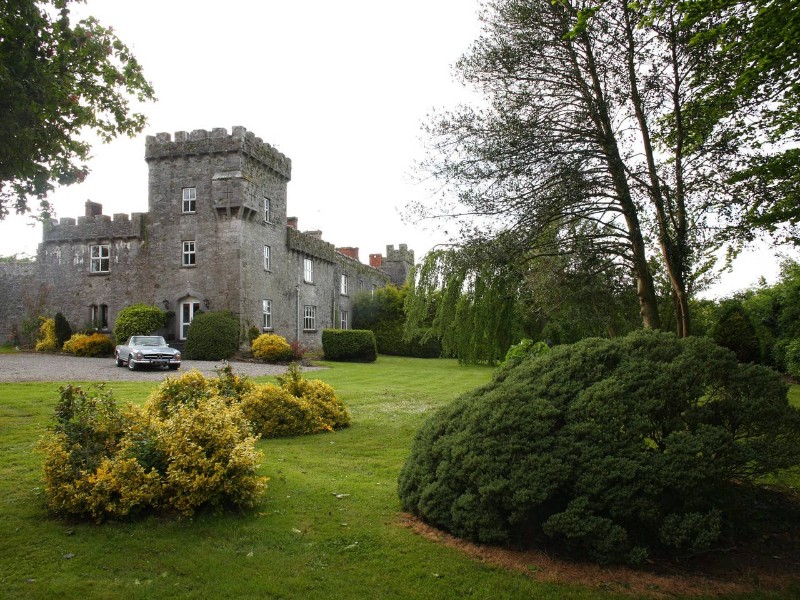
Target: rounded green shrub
(734,330)
(212,336)
(271,347)
(138,319)
(609,450)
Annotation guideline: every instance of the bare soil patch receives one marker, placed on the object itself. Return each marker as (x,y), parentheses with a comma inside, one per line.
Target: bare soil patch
(771,562)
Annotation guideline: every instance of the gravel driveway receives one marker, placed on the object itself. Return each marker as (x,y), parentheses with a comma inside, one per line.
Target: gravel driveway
(39,366)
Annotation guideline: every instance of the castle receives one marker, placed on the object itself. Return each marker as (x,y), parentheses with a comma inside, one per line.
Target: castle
(216,237)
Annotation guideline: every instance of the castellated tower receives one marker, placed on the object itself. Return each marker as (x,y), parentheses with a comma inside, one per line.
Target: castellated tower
(217,203)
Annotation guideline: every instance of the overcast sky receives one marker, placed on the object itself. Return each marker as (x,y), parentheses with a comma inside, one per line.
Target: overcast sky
(341,88)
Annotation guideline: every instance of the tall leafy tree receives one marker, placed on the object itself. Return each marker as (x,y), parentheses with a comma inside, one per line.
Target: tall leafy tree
(747,77)
(583,131)
(58,81)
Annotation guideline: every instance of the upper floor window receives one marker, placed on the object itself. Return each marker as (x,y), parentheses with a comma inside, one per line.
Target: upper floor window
(267,256)
(100,258)
(343,319)
(189,257)
(309,318)
(343,285)
(189,200)
(308,270)
(267,320)
(267,210)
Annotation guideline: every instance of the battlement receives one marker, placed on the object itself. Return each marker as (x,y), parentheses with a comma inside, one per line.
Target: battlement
(97,227)
(402,254)
(202,141)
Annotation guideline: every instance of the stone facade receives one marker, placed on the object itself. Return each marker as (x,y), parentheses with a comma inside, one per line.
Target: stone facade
(216,237)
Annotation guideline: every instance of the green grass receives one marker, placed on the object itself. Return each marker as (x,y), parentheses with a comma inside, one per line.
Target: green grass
(301,541)
(6,349)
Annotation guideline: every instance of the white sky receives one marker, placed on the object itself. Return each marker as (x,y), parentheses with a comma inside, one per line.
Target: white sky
(340,87)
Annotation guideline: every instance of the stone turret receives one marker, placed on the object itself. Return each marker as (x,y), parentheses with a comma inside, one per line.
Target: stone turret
(397,264)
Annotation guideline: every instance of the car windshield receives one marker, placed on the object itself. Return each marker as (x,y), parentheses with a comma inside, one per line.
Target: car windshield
(148,341)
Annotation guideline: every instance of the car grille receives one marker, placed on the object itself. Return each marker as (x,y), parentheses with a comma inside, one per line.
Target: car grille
(157,356)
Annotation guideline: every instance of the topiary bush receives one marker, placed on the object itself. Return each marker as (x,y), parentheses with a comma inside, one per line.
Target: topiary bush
(46,341)
(610,450)
(63,330)
(212,336)
(138,319)
(95,344)
(355,345)
(271,347)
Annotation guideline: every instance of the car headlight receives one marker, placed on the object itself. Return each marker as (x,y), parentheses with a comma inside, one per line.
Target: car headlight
(138,355)
(177,356)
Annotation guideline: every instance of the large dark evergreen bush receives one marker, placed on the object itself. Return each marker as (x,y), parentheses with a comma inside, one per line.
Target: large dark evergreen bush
(138,319)
(63,330)
(734,330)
(355,345)
(212,336)
(607,449)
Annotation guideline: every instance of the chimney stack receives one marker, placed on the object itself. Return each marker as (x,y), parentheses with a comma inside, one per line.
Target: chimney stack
(291,222)
(349,251)
(376,260)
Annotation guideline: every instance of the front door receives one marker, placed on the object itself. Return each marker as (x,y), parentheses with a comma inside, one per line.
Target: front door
(189,308)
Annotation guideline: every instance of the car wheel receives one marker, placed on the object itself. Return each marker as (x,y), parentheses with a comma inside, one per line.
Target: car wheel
(131,364)
(118,360)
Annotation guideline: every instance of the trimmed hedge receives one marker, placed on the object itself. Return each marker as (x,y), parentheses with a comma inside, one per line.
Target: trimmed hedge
(354,345)
(212,336)
(138,319)
(607,450)
(93,345)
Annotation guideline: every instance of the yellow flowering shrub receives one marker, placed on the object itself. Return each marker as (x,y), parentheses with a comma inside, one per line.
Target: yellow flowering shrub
(102,463)
(271,347)
(212,456)
(47,340)
(95,344)
(274,412)
(328,407)
(229,384)
(174,392)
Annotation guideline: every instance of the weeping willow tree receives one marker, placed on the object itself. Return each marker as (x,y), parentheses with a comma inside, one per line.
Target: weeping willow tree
(475,306)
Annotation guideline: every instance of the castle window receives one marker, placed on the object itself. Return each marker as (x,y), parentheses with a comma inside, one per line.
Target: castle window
(360,285)
(344,319)
(267,322)
(267,210)
(100,258)
(343,286)
(189,200)
(308,270)
(189,258)
(98,316)
(309,318)
(267,254)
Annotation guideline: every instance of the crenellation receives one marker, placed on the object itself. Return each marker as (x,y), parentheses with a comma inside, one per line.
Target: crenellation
(99,227)
(202,142)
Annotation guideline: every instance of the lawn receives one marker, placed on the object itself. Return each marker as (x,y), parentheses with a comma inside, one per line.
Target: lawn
(328,527)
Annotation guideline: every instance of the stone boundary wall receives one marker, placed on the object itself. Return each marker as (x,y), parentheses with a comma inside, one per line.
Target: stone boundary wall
(202,141)
(15,279)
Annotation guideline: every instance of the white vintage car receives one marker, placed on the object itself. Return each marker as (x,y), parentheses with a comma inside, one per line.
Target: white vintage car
(147,350)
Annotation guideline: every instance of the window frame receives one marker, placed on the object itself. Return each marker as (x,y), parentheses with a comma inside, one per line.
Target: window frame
(267,258)
(309,317)
(266,320)
(189,253)
(96,263)
(308,270)
(343,284)
(267,209)
(189,200)
(343,319)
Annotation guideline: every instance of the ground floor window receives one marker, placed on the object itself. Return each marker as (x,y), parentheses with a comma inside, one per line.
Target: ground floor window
(309,318)
(344,319)
(267,322)
(189,308)
(98,316)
